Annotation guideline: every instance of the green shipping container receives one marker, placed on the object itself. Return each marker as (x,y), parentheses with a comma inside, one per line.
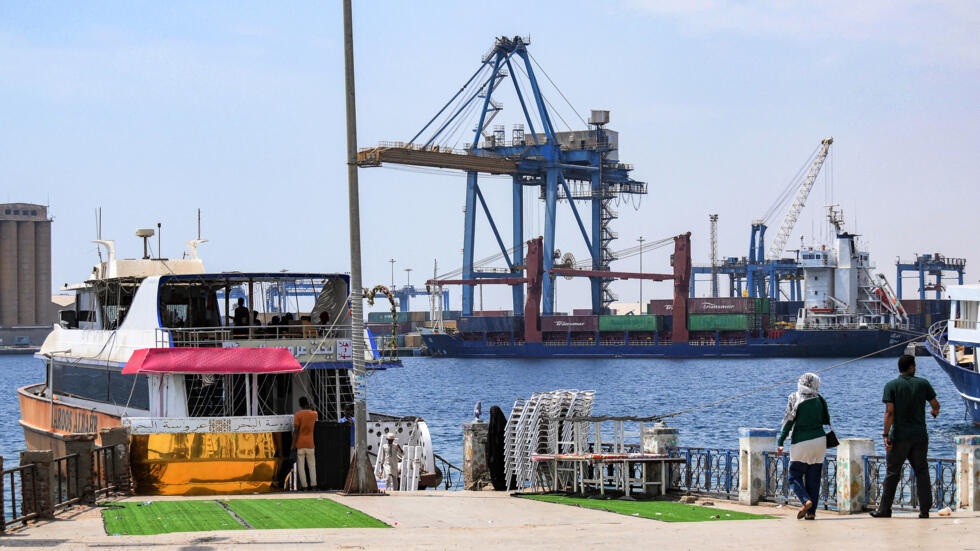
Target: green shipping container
(631,323)
(379,317)
(721,322)
(762,306)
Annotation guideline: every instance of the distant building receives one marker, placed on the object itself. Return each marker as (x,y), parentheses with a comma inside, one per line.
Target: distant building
(25,273)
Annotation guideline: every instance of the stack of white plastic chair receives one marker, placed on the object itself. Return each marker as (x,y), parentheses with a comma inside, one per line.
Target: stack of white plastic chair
(411,468)
(510,438)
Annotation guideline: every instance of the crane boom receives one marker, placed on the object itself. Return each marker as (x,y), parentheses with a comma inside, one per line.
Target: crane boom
(776,248)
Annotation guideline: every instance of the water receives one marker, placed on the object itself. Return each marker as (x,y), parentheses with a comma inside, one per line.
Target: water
(444,390)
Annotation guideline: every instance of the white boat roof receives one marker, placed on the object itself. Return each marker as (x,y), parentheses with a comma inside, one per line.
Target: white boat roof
(964,292)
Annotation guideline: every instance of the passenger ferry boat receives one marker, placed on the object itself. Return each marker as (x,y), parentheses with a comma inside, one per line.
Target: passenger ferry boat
(954,345)
(206,387)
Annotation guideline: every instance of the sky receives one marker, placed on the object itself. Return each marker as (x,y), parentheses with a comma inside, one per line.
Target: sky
(152,110)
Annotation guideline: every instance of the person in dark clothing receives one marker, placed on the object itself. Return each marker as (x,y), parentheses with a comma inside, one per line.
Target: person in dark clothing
(906,437)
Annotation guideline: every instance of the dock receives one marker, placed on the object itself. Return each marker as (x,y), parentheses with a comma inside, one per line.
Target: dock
(496,520)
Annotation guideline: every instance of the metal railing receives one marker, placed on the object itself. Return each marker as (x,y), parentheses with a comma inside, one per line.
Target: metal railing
(18,491)
(941,471)
(777,480)
(207,337)
(104,465)
(65,481)
(707,470)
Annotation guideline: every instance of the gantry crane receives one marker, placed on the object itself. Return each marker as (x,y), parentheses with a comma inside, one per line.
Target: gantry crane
(578,166)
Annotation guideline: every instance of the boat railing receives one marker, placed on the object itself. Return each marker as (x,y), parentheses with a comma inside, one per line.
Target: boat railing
(936,341)
(971,325)
(206,337)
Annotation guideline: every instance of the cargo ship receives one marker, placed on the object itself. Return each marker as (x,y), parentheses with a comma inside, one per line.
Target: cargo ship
(845,311)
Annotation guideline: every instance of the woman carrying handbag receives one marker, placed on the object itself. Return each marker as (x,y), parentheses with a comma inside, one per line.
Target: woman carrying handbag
(806,414)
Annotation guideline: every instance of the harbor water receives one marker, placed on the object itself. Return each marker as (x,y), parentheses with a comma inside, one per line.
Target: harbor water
(444,391)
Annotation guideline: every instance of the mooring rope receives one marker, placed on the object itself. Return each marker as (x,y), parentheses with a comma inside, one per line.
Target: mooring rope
(787,381)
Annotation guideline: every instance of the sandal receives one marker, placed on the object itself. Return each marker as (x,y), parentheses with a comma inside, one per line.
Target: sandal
(803,510)
(811,517)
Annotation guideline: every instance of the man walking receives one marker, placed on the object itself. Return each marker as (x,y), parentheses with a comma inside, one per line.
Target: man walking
(905,435)
(303,422)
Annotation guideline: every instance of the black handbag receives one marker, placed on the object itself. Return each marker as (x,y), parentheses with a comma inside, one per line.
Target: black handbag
(832,441)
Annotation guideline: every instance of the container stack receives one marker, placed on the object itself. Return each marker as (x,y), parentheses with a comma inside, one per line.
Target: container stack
(719,314)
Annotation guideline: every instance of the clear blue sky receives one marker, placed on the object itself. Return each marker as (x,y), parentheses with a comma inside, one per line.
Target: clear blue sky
(152,110)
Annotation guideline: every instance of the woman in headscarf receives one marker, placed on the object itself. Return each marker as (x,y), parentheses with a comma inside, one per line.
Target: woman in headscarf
(806,414)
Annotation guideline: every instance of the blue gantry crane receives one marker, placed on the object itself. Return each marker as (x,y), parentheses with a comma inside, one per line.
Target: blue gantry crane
(929,264)
(577,166)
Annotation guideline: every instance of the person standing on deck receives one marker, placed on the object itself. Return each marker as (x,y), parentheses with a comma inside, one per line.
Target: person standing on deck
(806,414)
(303,422)
(906,437)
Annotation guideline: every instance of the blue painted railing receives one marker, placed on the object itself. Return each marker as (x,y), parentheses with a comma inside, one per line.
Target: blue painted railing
(942,472)
(707,470)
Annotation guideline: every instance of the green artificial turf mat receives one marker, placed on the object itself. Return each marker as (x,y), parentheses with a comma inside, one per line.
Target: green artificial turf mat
(300,513)
(668,511)
(161,517)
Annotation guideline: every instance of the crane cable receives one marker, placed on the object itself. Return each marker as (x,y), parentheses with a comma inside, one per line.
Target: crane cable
(787,381)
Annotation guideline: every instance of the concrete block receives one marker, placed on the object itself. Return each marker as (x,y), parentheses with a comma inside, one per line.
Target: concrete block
(752,444)
(851,484)
(37,489)
(474,454)
(659,438)
(967,472)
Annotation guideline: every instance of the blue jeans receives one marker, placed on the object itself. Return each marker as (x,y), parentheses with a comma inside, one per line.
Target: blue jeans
(804,479)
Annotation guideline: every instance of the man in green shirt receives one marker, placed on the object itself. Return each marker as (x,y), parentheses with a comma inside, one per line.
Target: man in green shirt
(905,435)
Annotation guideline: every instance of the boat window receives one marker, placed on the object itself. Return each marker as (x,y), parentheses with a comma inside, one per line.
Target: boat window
(212,395)
(189,304)
(114,297)
(101,385)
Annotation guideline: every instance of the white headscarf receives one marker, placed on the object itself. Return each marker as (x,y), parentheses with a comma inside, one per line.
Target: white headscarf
(806,389)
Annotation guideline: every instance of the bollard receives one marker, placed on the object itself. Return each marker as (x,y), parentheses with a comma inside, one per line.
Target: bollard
(851,484)
(967,472)
(752,443)
(83,445)
(41,482)
(474,454)
(659,438)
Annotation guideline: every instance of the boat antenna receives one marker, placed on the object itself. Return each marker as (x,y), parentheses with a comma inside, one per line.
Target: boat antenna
(98,231)
(159,234)
(198,223)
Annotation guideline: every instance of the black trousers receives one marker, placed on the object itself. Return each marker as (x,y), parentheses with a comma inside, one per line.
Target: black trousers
(915,452)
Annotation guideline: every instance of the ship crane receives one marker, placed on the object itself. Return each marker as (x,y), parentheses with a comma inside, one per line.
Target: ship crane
(580,167)
(789,221)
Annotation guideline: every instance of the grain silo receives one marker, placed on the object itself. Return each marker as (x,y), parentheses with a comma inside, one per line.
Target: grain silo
(25,265)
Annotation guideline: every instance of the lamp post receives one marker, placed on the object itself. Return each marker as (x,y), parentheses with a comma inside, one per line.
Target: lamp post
(641,240)
(360,476)
(408,277)
(392,261)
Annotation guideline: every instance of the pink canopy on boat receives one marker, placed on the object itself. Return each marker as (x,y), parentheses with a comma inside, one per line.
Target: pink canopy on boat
(212,360)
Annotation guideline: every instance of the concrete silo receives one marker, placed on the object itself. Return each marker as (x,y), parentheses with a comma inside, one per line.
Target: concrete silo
(25,265)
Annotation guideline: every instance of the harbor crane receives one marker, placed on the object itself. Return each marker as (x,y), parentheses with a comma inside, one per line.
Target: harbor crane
(789,221)
(577,166)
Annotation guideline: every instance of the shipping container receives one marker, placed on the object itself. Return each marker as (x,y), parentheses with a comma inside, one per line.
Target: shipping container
(406,326)
(582,312)
(660,307)
(495,324)
(631,323)
(786,307)
(419,316)
(493,313)
(569,323)
(727,305)
(377,317)
(723,322)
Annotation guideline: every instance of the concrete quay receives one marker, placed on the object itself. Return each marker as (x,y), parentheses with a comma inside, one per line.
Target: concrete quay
(495,520)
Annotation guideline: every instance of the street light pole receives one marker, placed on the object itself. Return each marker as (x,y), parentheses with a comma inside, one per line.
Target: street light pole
(408,276)
(360,476)
(641,240)
(392,273)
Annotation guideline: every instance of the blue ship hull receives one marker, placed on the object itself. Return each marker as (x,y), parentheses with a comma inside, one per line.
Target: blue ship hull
(966,381)
(792,343)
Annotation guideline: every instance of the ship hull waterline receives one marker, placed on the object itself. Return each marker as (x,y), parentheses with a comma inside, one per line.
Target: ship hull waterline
(792,344)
